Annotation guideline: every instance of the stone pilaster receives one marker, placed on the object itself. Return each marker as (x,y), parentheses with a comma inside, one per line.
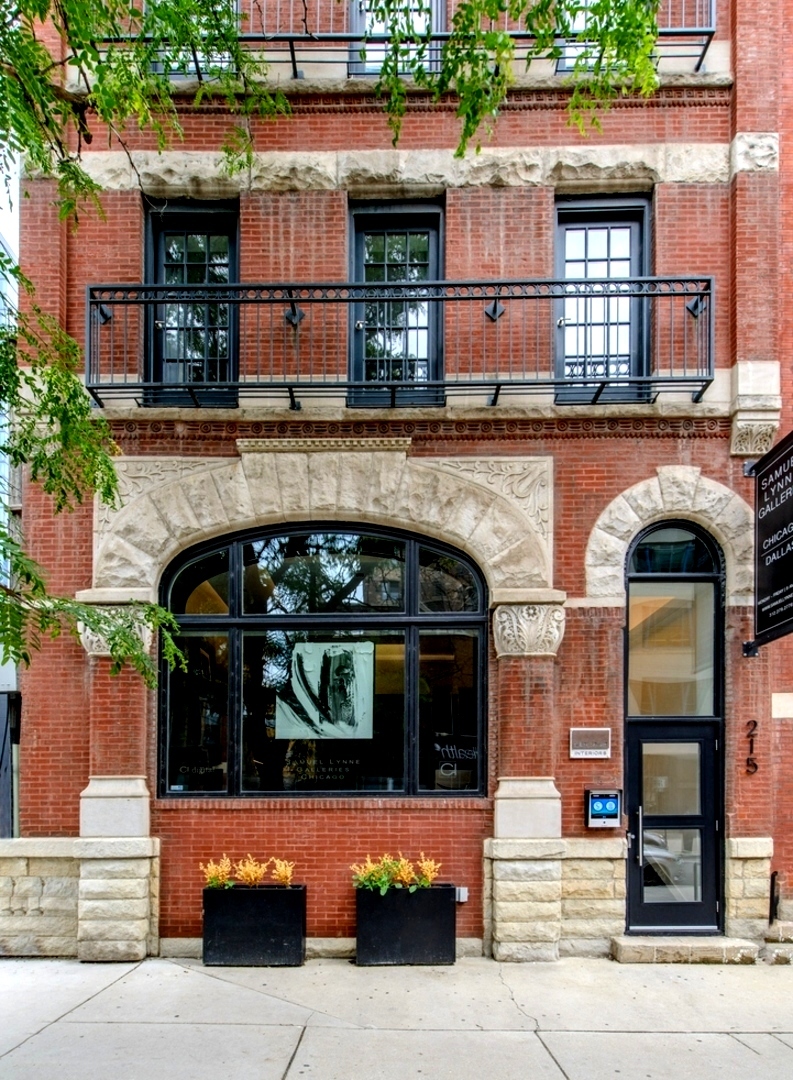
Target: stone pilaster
(118,898)
(748,886)
(526,898)
(593,895)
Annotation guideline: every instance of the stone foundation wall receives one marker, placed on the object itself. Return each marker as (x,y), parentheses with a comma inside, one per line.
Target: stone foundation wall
(96,899)
(38,898)
(747,886)
(593,896)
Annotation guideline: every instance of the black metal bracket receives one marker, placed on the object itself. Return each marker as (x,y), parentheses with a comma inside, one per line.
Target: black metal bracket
(751,649)
(495,310)
(294,404)
(748,468)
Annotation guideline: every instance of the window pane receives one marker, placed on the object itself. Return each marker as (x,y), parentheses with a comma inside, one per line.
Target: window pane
(671,649)
(448,712)
(446,584)
(202,587)
(323,572)
(671,551)
(671,778)
(198,716)
(324,711)
(672,869)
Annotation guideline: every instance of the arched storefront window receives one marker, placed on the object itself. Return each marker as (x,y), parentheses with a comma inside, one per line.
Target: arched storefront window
(325,659)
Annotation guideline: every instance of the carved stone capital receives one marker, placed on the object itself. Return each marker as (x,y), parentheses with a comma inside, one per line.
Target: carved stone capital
(528,629)
(96,645)
(752,438)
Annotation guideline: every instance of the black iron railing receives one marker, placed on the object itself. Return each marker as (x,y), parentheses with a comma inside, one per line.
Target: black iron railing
(400,344)
(307,38)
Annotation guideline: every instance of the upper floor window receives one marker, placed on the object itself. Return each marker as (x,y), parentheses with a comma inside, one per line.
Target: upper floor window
(674,623)
(193,336)
(397,330)
(423,17)
(325,659)
(601,244)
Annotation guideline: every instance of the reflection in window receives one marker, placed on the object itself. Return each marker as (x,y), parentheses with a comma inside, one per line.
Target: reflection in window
(326,661)
(671,625)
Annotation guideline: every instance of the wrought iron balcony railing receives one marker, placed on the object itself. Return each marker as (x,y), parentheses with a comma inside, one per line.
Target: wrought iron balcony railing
(410,344)
(324,38)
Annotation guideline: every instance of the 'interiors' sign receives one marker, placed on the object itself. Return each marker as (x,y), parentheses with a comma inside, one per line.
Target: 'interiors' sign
(773,607)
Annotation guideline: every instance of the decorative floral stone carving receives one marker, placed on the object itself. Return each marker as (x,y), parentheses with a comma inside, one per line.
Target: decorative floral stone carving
(528,629)
(752,438)
(525,482)
(95,645)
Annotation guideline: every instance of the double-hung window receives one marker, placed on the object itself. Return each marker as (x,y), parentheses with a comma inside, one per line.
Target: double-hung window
(193,327)
(600,342)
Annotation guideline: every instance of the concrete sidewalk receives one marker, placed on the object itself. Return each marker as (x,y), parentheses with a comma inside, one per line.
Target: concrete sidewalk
(576,1019)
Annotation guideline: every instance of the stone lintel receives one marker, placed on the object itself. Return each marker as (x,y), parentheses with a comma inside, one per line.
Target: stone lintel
(750,847)
(615,847)
(124,847)
(34,847)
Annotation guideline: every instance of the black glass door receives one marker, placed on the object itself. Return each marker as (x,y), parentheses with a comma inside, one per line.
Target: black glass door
(673,807)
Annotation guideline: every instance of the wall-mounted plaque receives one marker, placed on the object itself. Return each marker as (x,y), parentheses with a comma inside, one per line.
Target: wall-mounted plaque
(590,742)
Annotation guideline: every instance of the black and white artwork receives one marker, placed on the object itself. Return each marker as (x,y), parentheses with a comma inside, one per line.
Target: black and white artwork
(330,694)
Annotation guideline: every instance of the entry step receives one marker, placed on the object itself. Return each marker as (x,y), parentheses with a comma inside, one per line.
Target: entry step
(683,949)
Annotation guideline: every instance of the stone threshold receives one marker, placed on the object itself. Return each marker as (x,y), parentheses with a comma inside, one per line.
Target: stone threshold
(683,949)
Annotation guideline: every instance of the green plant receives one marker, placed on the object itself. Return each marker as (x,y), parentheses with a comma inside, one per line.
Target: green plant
(388,872)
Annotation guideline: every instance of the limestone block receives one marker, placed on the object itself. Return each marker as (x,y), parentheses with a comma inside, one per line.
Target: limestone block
(588,889)
(13,868)
(751,929)
(118,910)
(52,905)
(115,806)
(645,499)
(678,484)
(57,886)
(134,930)
(54,868)
(743,908)
(526,849)
(61,925)
(526,931)
(588,947)
(620,520)
(32,945)
(756,868)
(524,952)
(593,929)
(518,871)
(756,888)
(592,909)
(536,891)
(27,887)
(193,947)
(527,807)
(41,847)
(97,951)
(114,889)
(591,869)
(205,502)
(506,912)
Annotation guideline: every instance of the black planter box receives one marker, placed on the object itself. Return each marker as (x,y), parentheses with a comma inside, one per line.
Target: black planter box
(406,927)
(255,926)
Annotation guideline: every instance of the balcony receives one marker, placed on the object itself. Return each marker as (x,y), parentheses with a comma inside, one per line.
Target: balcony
(400,345)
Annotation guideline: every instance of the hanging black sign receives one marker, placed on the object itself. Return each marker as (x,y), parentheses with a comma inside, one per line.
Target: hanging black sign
(773,559)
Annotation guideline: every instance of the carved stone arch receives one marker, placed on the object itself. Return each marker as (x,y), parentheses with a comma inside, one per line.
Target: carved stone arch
(677,491)
(496,510)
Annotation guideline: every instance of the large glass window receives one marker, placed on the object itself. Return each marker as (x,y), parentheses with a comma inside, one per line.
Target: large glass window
(674,575)
(325,660)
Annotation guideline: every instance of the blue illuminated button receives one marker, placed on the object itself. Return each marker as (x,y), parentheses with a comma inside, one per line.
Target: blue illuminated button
(611,806)
(597,805)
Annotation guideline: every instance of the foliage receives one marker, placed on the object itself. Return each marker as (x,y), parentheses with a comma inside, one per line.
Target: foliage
(217,875)
(388,872)
(248,871)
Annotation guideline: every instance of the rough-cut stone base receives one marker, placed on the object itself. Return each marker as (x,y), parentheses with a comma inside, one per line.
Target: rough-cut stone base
(683,950)
(316,948)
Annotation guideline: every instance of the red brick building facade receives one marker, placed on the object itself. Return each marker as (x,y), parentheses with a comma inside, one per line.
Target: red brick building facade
(520,495)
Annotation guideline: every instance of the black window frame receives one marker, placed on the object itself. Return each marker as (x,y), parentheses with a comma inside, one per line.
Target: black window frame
(359,68)
(636,211)
(417,216)
(200,216)
(410,619)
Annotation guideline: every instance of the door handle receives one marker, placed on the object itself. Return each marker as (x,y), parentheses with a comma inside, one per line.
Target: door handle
(640,845)
(359,324)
